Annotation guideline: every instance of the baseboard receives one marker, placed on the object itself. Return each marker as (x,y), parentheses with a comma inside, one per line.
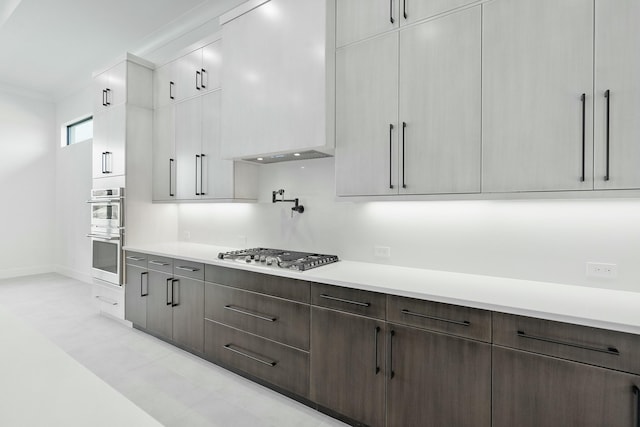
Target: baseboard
(74,274)
(29,271)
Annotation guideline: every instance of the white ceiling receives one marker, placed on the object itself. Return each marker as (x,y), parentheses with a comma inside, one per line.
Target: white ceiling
(52,47)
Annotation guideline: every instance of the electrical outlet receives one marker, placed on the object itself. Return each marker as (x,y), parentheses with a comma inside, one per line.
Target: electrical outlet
(602,270)
(382,251)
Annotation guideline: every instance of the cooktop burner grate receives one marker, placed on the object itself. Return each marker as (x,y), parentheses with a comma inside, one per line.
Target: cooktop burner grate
(292,260)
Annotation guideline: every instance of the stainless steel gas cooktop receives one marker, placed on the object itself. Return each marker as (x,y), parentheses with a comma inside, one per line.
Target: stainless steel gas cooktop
(292,260)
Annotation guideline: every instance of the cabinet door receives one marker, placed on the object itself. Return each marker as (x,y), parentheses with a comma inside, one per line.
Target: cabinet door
(440,103)
(100,85)
(100,143)
(188,313)
(530,390)
(366,118)
(164,154)
(617,71)
(211,65)
(188,148)
(348,365)
(118,126)
(415,10)
(159,310)
(217,174)
(135,292)
(118,84)
(189,71)
(164,85)
(537,64)
(358,19)
(439,378)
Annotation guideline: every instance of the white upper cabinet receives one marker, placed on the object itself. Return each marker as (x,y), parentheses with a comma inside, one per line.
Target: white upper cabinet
(199,71)
(537,95)
(408,110)
(358,19)
(164,154)
(440,105)
(367,118)
(165,90)
(617,95)
(277,79)
(109,87)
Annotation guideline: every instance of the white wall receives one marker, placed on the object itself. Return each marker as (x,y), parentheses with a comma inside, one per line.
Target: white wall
(72,253)
(544,240)
(27,178)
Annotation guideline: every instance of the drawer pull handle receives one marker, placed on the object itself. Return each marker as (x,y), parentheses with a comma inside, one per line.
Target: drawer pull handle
(361,304)
(106,300)
(609,350)
(160,263)
(246,354)
(191,269)
(440,319)
(135,258)
(250,313)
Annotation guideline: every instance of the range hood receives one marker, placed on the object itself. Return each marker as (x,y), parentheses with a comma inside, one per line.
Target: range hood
(285,157)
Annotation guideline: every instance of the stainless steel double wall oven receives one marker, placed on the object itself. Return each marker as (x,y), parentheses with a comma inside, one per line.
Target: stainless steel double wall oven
(107,234)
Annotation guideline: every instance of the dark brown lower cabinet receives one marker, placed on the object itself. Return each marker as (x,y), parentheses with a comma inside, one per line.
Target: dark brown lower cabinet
(159,310)
(348,365)
(531,390)
(437,380)
(135,295)
(188,313)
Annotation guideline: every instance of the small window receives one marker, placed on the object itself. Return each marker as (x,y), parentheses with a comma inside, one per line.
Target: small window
(80,131)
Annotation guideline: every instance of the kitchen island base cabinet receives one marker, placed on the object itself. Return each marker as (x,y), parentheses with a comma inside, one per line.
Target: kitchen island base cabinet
(348,365)
(277,364)
(531,390)
(437,380)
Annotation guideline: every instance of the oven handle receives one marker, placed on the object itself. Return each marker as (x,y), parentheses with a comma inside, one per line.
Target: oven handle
(114,200)
(103,238)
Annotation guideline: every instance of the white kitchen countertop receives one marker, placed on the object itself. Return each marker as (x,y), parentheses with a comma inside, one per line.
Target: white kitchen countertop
(596,307)
(44,386)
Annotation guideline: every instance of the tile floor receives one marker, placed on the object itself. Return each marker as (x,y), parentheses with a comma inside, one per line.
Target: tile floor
(173,386)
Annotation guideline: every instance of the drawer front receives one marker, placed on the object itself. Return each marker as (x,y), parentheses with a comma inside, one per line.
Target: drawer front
(277,364)
(457,320)
(160,263)
(297,290)
(365,303)
(136,258)
(609,349)
(109,300)
(192,270)
(277,319)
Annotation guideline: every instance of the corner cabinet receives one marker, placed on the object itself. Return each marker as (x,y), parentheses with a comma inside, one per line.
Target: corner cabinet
(408,110)
(278,78)
(122,94)
(187,145)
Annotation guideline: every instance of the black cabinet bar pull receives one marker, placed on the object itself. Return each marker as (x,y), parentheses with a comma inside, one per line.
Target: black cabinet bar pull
(246,354)
(171,194)
(404,9)
(390,153)
(191,269)
(348,301)
(202,79)
(103,162)
(392,374)
(636,393)
(171,90)
(440,319)
(173,295)
(104,97)
(144,274)
(198,75)
(250,313)
(108,162)
(197,158)
(391,12)
(167,293)
(375,344)
(108,92)
(608,350)
(160,263)
(607,95)
(583,99)
(404,126)
(202,193)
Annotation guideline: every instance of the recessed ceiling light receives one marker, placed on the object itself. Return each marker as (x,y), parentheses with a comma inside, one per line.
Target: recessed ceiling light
(259,159)
(296,154)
